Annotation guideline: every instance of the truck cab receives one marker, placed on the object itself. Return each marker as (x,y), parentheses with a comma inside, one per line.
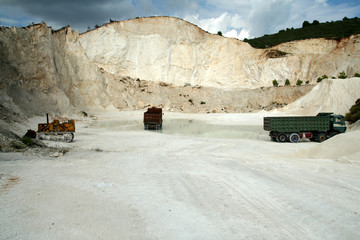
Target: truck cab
(338,123)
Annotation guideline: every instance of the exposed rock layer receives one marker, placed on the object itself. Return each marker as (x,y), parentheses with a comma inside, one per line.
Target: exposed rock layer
(61,71)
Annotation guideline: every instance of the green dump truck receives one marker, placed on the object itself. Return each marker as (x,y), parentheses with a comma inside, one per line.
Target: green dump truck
(317,128)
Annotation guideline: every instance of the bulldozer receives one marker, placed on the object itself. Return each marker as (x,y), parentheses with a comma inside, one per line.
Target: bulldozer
(56,130)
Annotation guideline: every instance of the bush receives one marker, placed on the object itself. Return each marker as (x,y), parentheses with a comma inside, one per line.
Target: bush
(202,102)
(322,78)
(190,101)
(354,113)
(307,82)
(357,75)
(342,75)
(299,82)
(287,82)
(28,141)
(275,83)
(219,33)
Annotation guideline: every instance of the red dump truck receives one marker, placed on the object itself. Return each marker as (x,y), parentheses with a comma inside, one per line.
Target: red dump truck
(316,128)
(153,119)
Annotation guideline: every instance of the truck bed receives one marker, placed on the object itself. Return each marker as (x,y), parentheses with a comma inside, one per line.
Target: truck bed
(153,118)
(319,123)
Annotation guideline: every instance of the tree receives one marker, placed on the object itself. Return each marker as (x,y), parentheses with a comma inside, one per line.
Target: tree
(299,82)
(306,24)
(275,83)
(354,113)
(342,75)
(315,22)
(287,82)
(219,33)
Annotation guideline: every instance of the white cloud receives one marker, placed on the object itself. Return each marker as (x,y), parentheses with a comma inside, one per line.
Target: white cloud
(265,16)
(231,34)
(229,24)
(234,34)
(262,16)
(248,19)
(323,2)
(222,23)
(244,34)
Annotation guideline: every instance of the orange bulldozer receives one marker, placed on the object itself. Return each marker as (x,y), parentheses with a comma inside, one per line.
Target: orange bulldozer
(56,130)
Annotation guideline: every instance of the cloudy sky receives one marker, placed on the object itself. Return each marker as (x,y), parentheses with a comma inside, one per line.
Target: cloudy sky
(234,18)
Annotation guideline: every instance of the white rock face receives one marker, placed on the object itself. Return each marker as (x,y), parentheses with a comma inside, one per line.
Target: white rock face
(331,95)
(174,51)
(168,50)
(61,71)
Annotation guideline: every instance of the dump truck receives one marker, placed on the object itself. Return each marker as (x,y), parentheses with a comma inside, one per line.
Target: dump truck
(293,128)
(56,130)
(153,119)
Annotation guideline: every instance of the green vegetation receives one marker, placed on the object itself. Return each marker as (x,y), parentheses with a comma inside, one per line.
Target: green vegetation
(322,78)
(191,101)
(307,82)
(202,102)
(357,75)
(354,113)
(275,83)
(27,141)
(299,82)
(329,30)
(342,75)
(287,82)
(219,33)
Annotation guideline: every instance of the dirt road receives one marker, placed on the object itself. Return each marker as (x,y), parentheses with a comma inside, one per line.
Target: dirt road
(118,183)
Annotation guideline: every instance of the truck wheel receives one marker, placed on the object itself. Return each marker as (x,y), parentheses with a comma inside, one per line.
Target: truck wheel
(282,137)
(294,137)
(321,137)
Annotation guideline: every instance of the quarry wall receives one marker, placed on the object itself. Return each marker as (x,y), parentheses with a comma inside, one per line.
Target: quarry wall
(62,71)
